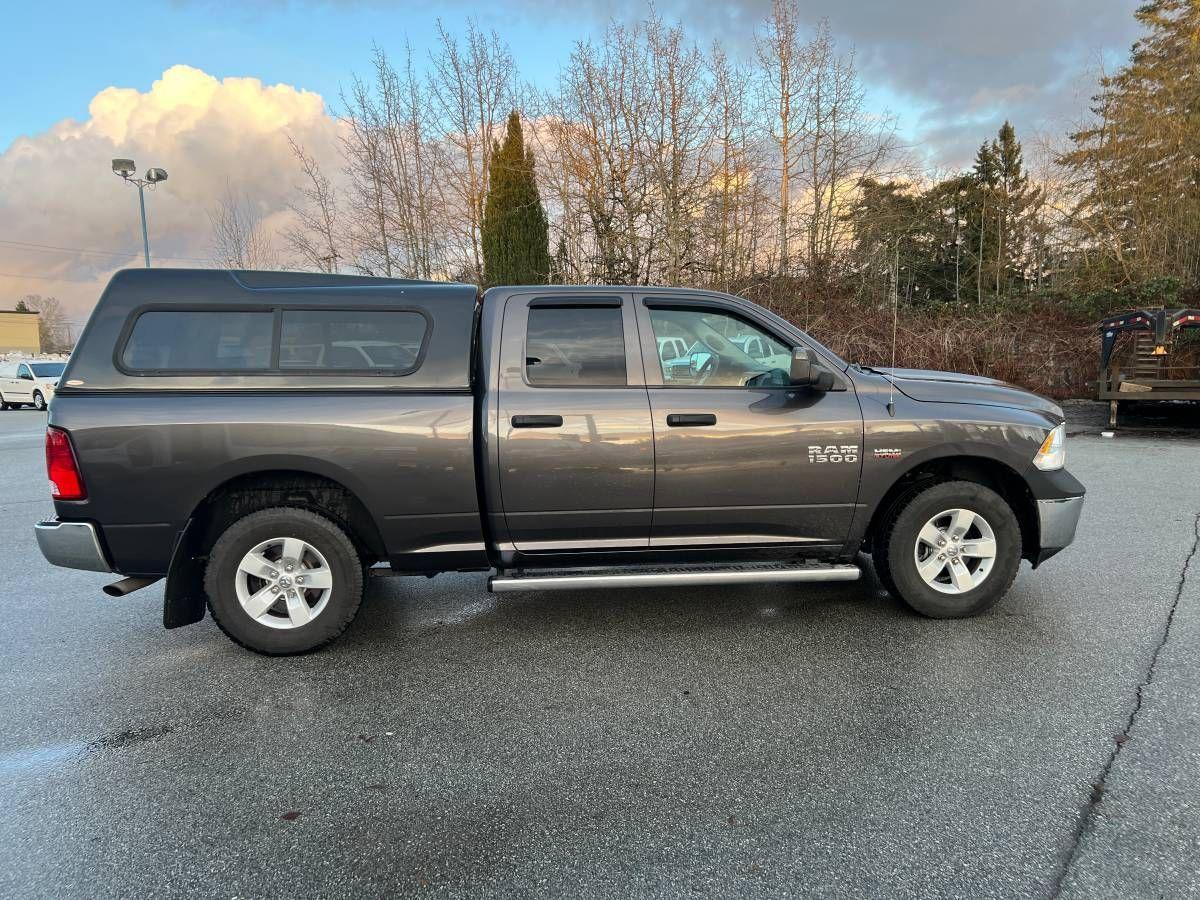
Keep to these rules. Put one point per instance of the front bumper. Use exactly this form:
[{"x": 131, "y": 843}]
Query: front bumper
[
  {"x": 72, "y": 545},
  {"x": 1057, "y": 520}
]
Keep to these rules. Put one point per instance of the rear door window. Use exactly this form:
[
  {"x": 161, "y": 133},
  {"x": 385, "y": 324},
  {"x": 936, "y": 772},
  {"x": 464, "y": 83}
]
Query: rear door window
[
  {"x": 575, "y": 345},
  {"x": 351, "y": 340},
  {"x": 200, "y": 341}
]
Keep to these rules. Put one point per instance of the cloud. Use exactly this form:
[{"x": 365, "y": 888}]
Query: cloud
[
  {"x": 950, "y": 63},
  {"x": 56, "y": 188}
]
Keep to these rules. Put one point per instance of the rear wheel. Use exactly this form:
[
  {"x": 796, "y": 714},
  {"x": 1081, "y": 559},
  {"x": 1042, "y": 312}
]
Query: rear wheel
[
  {"x": 953, "y": 550},
  {"x": 284, "y": 580},
  {"x": 5, "y": 405}
]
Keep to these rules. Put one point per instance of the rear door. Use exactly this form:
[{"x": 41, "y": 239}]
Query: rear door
[
  {"x": 742, "y": 458},
  {"x": 576, "y": 450}
]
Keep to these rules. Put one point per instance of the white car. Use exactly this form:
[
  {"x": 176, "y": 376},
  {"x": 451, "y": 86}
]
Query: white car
[
  {"x": 29, "y": 382},
  {"x": 349, "y": 355}
]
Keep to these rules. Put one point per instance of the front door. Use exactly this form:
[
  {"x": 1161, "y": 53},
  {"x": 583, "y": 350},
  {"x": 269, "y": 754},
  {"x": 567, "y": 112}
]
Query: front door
[
  {"x": 742, "y": 459},
  {"x": 576, "y": 449},
  {"x": 22, "y": 389}
]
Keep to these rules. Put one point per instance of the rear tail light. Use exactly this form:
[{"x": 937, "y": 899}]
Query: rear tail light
[{"x": 66, "y": 481}]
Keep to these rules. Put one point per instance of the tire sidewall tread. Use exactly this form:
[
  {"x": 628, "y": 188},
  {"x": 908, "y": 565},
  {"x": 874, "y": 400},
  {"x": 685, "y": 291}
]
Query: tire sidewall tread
[
  {"x": 879, "y": 552},
  {"x": 283, "y": 521},
  {"x": 919, "y": 509}
]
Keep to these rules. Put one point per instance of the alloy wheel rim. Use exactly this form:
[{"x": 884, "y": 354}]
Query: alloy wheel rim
[
  {"x": 283, "y": 583},
  {"x": 955, "y": 551}
]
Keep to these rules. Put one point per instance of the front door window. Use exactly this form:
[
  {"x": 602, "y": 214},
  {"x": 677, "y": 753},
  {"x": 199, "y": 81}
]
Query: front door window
[{"x": 710, "y": 348}]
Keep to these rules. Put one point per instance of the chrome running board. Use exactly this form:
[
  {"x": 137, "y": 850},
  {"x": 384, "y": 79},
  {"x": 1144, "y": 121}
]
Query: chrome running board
[{"x": 584, "y": 580}]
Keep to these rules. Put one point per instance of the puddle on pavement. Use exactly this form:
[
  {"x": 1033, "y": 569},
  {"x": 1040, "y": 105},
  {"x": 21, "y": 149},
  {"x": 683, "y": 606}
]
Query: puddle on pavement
[
  {"x": 430, "y": 618},
  {"x": 38, "y": 760},
  {"x": 41, "y": 760}
]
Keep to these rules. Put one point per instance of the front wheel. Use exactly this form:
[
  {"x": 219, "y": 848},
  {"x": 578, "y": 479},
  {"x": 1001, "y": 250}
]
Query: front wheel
[
  {"x": 283, "y": 581},
  {"x": 39, "y": 402},
  {"x": 953, "y": 550}
]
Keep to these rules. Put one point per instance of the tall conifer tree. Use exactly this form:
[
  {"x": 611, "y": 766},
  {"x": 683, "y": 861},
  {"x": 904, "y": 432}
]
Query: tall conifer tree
[
  {"x": 1135, "y": 165},
  {"x": 516, "y": 236}
]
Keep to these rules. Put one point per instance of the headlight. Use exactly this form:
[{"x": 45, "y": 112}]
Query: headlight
[{"x": 1053, "y": 452}]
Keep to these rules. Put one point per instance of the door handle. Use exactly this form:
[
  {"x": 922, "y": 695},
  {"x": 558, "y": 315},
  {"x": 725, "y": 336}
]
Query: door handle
[
  {"x": 537, "y": 421},
  {"x": 690, "y": 420}
]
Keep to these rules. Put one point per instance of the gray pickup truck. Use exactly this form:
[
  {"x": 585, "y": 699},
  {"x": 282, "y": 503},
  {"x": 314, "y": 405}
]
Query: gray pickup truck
[{"x": 265, "y": 440}]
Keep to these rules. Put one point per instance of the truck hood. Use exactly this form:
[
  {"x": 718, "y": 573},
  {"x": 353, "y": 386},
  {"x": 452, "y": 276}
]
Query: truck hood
[{"x": 931, "y": 386}]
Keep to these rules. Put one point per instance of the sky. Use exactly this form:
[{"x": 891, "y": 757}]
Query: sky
[{"x": 208, "y": 90}]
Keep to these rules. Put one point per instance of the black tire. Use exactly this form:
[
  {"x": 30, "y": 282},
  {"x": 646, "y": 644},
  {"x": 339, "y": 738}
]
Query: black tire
[
  {"x": 245, "y": 534},
  {"x": 879, "y": 548},
  {"x": 5, "y": 405},
  {"x": 39, "y": 402},
  {"x": 901, "y": 542}
]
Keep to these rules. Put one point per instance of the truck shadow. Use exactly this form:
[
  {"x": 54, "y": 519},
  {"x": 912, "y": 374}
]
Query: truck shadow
[{"x": 460, "y": 603}]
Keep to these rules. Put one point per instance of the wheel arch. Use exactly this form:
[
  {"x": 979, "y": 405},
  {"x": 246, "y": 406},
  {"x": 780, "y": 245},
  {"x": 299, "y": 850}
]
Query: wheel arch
[
  {"x": 986, "y": 470},
  {"x": 240, "y": 494},
  {"x": 247, "y": 491}
]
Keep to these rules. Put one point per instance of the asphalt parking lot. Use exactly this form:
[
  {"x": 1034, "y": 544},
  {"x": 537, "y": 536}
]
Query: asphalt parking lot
[{"x": 776, "y": 741}]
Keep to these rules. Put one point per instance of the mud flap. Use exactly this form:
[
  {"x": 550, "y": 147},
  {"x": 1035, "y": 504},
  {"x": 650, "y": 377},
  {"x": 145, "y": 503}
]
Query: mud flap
[{"x": 183, "y": 597}]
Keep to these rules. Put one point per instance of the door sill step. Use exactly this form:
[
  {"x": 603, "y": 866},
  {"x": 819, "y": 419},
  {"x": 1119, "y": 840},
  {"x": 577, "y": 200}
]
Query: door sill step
[{"x": 583, "y": 579}]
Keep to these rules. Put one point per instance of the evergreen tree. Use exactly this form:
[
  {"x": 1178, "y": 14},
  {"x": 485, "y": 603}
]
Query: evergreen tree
[
  {"x": 911, "y": 238},
  {"x": 516, "y": 237},
  {"x": 1135, "y": 166},
  {"x": 22, "y": 306},
  {"x": 998, "y": 214},
  {"x": 979, "y": 240},
  {"x": 987, "y": 166},
  {"x": 1016, "y": 200}
]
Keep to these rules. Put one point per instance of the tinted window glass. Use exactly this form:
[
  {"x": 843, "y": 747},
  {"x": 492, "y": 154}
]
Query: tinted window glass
[
  {"x": 200, "y": 340},
  {"x": 575, "y": 345},
  {"x": 386, "y": 340},
  {"x": 48, "y": 370},
  {"x": 712, "y": 349}
]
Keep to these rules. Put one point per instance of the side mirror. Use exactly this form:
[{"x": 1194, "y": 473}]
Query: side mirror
[{"x": 801, "y": 374}]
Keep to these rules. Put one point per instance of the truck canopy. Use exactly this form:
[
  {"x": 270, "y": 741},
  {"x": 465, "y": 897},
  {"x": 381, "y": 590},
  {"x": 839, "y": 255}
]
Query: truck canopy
[{"x": 413, "y": 335}]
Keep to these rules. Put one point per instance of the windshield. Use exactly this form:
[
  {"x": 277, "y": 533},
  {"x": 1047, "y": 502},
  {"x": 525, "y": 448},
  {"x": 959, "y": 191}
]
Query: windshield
[{"x": 47, "y": 370}]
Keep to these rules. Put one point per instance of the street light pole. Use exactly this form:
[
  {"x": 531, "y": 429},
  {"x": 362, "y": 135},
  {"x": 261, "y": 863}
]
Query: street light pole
[
  {"x": 145, "y": 234},
  {"x": 127, "y": 171}
]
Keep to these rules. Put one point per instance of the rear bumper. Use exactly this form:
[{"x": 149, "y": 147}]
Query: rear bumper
[
  {"x": 72, "y": 545},
  {"x": 1057, "y": 521}
]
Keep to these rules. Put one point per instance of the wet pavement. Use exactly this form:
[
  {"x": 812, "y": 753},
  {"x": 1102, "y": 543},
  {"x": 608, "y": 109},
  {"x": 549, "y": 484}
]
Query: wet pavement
[{"x": 769, "y": 740}]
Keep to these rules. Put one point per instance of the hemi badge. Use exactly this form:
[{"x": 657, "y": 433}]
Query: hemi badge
[{"x": 890, "y": 453}]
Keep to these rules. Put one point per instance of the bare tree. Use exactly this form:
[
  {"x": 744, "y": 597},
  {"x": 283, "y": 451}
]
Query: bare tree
[
  {"x": 239, "y": 237},
  {"x": 390, "y": 163},
  {"x": 471, "y": 91},
  {"x": 736, "y": 201},
  {"x": 680, "y": 132},
  {"x": 315, "y": 237},
  {"x": 600, "y": 131},
  {"x": 783, "y": 70},
  {"x": 365, "y": 155},
  {"x": 843, "y": 144},
  {"x": 52, "y": 323}
]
